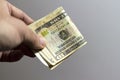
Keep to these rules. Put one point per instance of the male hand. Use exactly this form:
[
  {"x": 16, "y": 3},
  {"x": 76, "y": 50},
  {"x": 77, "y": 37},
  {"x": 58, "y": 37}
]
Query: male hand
[{"x": 16, "y": 39}]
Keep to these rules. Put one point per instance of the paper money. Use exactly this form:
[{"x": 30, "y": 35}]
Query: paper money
[{"x": 62, "y": 36}]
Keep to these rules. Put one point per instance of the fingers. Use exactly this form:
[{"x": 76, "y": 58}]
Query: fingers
[
  {"x": 11, "y": 56},
  {"x": 25, "y": 50},
  {"x": 15, "y": 12},
  {"x": 30, "y": 39},
  {"x": 16, "y": 54}
]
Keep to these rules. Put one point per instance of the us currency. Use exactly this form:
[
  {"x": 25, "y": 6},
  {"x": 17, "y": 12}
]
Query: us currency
[{"x": 62, "y": 37}]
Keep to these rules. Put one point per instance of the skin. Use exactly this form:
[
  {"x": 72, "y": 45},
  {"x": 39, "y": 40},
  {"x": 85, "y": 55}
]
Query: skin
[{"x": 16, "y": 38}]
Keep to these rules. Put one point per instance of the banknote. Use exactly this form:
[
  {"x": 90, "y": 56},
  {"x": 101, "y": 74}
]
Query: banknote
[{"x": 62, "y": 37}]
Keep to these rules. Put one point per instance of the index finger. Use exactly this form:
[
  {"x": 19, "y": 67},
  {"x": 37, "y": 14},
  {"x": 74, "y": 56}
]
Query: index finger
[{"x": 15, "y": 12}]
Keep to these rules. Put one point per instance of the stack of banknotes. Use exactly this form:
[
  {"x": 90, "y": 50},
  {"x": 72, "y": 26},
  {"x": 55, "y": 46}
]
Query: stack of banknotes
[{"x": 62, "y": 37}]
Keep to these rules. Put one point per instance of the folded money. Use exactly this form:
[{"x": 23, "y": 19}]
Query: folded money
[{"x": 62, "y": 36}]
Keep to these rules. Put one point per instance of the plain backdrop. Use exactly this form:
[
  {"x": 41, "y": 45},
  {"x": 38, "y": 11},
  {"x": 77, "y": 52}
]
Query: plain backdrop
[{"x": 98, "y": 21}]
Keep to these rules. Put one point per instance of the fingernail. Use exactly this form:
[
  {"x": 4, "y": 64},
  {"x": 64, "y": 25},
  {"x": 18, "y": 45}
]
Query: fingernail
[{"x": 42, "y": 42}]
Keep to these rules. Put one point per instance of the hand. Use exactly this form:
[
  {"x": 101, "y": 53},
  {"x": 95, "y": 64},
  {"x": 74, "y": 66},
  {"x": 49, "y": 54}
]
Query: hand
[{"x": 16, "y": 39}]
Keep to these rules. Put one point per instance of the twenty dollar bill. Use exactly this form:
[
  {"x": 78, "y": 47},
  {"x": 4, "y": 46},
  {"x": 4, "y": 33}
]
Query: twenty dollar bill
[{"x": 62, "y": 36}]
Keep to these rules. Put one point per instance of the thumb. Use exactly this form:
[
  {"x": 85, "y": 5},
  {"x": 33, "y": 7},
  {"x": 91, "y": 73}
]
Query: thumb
[{"x": 33, "y": 41}]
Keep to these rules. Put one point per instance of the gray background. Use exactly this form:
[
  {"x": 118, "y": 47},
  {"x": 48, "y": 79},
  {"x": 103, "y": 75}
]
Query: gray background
[{"x": 98, "y": 21}]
